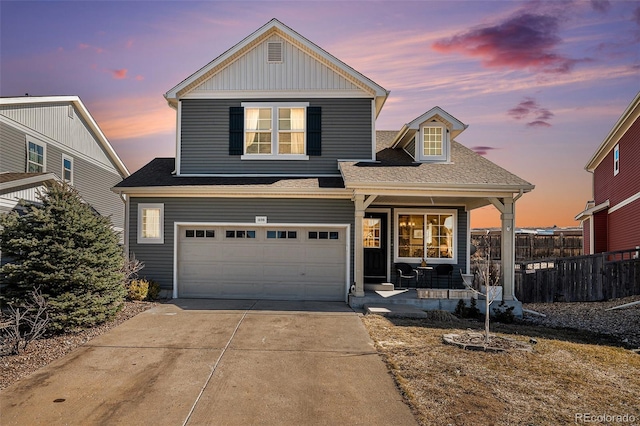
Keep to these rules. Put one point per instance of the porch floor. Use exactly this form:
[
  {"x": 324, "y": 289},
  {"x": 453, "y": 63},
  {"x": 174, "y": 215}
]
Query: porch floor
[{"x": 409, "y": 297}]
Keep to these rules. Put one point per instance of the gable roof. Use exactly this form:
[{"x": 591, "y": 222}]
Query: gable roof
[
  {"x": 409, "y": 130},
  {"x": 395, "y": 169},
  {"x": 274, "y": 26},
  {"x": 84, "y": 112},
  {"x": 626, "y": 120}
]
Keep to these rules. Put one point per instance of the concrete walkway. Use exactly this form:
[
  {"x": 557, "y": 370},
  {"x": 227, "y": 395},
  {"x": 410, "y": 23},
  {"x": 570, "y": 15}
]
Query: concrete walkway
[{"x": 213, "y": 362}]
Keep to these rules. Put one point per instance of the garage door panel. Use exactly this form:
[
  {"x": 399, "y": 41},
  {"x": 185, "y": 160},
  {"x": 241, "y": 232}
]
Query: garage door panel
[{"x": 288, "y": 267}]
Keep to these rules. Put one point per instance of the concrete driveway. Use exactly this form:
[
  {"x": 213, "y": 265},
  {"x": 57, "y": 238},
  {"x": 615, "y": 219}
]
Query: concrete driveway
[{"x": 214, "y": 362}]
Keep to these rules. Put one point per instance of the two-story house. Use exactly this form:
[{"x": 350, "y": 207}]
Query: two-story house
[
  {"x": 282, "y": 188},
  {"x": 55, "y": 138},
  {"x": 611, "y": 220}
]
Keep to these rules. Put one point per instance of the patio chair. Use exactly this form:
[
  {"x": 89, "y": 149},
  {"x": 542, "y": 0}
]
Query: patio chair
[
  {"x": 406, "y": 271},
  {"x": 444, "y": 270}
]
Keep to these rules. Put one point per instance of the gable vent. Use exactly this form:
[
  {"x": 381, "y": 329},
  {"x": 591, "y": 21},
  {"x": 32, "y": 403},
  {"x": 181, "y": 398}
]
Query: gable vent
[{"x": 274, "y": 52}]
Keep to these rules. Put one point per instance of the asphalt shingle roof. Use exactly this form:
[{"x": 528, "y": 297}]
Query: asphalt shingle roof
[
  {"x": 159, "y": 172},
  {"x": 395, "y": 166}
]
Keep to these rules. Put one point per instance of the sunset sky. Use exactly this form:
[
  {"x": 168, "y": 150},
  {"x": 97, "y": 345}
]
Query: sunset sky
[{"x": 540, "y": 84}]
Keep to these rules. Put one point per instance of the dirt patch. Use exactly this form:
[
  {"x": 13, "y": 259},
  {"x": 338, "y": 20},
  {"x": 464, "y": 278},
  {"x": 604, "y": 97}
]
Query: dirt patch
[
  {"x": 570, "y": 372},
  {"x": 44, "y": 351}
]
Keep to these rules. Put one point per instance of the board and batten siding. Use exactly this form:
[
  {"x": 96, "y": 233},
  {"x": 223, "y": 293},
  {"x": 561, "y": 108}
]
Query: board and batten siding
[
  {"x": 53, "y": 121},
  {"x": 298, "y": 70},
  {"x": 158, "y": 258},
  {"x": 346, "y": 134}
]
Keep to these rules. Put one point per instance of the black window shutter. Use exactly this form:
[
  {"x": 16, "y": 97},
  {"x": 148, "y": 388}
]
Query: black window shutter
[
  {"x": 314, "y": 126},
  {"x": 236, "y": 130}
]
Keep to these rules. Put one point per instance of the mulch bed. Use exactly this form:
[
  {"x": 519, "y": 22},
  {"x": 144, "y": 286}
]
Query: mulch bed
[{"x": 41, "y": 352}]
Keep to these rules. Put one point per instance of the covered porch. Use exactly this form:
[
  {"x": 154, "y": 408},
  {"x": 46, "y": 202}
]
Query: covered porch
[{"x": 425, "y": 229}]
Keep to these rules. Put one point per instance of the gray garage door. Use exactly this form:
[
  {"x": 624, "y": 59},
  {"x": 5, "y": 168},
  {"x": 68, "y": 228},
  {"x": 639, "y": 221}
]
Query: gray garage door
[{"x": 247, "y": 262}]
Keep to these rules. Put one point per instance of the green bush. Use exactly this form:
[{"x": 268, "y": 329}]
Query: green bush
[
  {"x": 138, "y": 290},
  {"x": 68, "y": 251}
]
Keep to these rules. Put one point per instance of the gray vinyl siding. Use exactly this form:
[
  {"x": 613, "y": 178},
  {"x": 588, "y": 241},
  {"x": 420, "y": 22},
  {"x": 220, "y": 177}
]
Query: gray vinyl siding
[
  {"x": 13, "y": 149},
  {"x": 346, "y": 134},
  {"x": 158, "y": 258},
  {"x": 93, "y": 182}
]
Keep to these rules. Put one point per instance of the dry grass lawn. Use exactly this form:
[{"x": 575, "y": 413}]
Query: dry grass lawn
[{"x": 569, "y": 372}]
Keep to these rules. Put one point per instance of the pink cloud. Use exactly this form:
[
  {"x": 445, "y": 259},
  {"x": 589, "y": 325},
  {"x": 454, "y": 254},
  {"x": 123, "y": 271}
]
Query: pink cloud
[
  {"x": 85, "y": 46},
  {"x": 129, "y": 44},
  {"x": 530, "y": 107},
  {"x": 524, "y": 41},
  {"x": 482, "y": 150},
  {"x": 139, "y": 78},
  {"x": 538, "y": 123},
  {"x": 120, "y": 74}
]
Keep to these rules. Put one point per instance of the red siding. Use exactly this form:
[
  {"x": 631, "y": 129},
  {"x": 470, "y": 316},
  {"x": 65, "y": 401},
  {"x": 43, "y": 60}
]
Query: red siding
[
  {"x": 627, "y": 182},
  {"x": 586, "y": 236},
  {"x": 624, "y": 227},
  {"x": 619, "y": 230},
  {"x": 600, "y": 239}
]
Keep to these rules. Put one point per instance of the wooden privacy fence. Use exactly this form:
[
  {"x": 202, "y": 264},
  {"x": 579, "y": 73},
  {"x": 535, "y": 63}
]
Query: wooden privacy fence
[
  {"x": 601, "y": 276},
  {"x": 531, "y": 246}
]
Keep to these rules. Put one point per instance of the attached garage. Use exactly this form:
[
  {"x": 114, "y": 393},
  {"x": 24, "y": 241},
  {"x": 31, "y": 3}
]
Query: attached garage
[{"x": 246, "y": 261}]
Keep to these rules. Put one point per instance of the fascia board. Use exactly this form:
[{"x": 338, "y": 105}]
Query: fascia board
[
  {"x": 208, "y": 191},
  {"x": 458, "y": 125},
  {"x": 102, "y": 139},
  {"x": 393, "y": 187},
  {"x": 591, "y": 211},
  {"x": 29, "y": 181},
  {"x": 626, "y": 120},
  {"x": 124, "y": 172},
  {"x": 242, "y": 94}
]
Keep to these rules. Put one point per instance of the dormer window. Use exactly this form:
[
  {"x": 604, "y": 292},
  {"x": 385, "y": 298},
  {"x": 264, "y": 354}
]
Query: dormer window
[{"x": 434, "y": 142}]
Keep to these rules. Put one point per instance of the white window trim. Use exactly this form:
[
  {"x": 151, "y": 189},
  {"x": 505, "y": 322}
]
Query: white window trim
[
  {"x": 274, "y": 131},
  {"x": 29, "y": 139},
  {"x": 431, "y": 260},
  {"x": 70, "y": 159},
  {"x": 143, "y": 240},
  {"x": 616, "y": 162},
  {"x": 420, "y": 143}
]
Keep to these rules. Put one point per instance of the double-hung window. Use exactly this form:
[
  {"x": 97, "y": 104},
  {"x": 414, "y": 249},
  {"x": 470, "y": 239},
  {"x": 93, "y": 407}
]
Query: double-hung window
[
  {"x": 150, "y": 223},
  {"x": 36, "y": 153},
  {"x": 275, "y": 130},
  {"x": 616, "y": 160}
]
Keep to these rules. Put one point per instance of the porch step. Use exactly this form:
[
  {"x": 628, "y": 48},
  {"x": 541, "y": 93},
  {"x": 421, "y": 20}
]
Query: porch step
[{"x": 396, "y": 310}]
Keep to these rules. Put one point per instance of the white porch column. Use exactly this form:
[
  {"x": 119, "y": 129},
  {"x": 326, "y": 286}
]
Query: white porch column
[
  {"x": 506, "y": 206},
  {"x": 508, "y": 258},
  {"x": 358, "y": 273}
]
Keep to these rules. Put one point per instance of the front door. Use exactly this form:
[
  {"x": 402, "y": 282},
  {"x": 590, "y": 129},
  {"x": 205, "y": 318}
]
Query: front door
[{"x": 374, "y": 242}]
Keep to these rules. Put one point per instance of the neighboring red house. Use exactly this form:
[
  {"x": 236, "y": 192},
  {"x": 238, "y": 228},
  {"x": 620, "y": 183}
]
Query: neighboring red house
[{"x": 611, "y": 221}]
